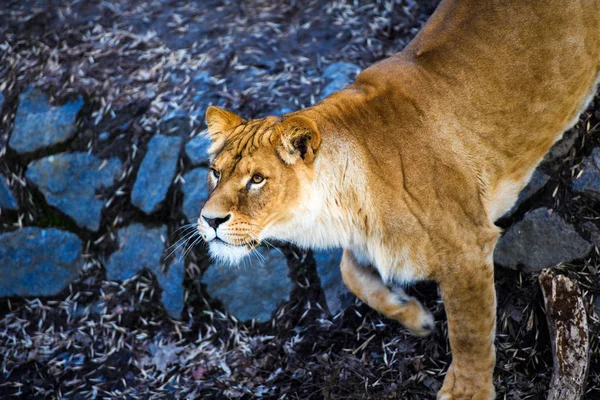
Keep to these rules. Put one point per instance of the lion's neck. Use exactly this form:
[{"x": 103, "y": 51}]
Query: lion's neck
[{"x": 335, "y": 209}]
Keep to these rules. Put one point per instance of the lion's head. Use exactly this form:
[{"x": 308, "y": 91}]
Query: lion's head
[{"x": 258, "y": 170}]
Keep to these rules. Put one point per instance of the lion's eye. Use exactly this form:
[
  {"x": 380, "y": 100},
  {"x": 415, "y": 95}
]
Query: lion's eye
[
  {"x": 257, "y": 178},
  {"x": 216, "y": 174}
]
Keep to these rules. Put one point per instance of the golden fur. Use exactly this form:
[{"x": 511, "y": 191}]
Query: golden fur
[{"x": 408, "y": 168}]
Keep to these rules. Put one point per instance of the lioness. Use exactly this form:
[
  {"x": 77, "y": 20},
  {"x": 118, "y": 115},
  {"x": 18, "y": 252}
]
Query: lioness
[{"x": 408, "y": 168}]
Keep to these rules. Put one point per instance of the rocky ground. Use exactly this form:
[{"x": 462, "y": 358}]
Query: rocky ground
[{"x": 105, "y": 290}]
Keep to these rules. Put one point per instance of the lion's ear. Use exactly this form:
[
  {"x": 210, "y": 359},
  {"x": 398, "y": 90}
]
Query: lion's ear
[
  {"x": 220, "y": 121},
  {"x": 297, "y": 137}
]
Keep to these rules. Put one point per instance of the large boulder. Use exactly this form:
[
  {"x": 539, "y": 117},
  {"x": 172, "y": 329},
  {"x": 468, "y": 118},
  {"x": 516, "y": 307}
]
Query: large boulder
[
  {"x": 7, "y": 199},
  {"x": 197, "y": 150},
  {"x": 38, "y": 262},
  {"x": 541, "y": 240},
  {"x": 338, "y": 297},
  {"x": 39, "y": 125},
  {"x": 195, "y": 192},
  {"x": 156, "y": 172},
  {"x": 255, "y": 289},
  {"x": 141, "y": 248},
  {"x": 588, "y": 183},
  {"x": 70, "y": 182},
  {"x": 171, "y": 282}
]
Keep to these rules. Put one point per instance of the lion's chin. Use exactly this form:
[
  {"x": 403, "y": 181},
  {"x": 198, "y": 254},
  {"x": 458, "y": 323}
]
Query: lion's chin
[{"x": 227, "y": 253}]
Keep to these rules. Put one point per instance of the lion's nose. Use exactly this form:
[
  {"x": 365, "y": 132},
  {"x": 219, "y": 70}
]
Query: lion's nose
[{"x": 215, "y": 222}]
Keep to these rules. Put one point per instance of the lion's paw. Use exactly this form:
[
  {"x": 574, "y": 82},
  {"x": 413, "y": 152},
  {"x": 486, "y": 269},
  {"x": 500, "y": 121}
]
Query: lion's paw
[{"x": 459, "y": 386}]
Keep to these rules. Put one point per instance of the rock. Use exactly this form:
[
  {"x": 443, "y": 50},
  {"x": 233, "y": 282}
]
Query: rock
[
  {"x": 171, "y": 283},
  {"x": 588, "y": 183},
  {"x": 39, "y": 125},
  {"x": 337, "y": 76},
  {"x": 202, "y": 78},
  {"x": 195, "y": 192},
  {"x": 177, "y": 122},
  {"x": 141, "y": 248},
  {"x": 156, "y": 173},
  {"x": 251, "y": 291},
  {"x": 328, "y": 267},
  {"x": 7, "y": 199},
  {"x": 69, "y": 182},
  {"x": 593, "y": 231},
  {"x": 1, "y": 100},
  {"x": 197, "y": 150},
  {"x": 38, "y": 262},
  {"x": 539, "y": 241},
  {"x": 281, "y": 111},
  {"x": 538, "y": 180},
  {"x": 562, "y": 147}
]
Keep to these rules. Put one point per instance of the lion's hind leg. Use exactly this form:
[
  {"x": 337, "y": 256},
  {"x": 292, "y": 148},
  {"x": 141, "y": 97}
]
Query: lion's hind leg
[{"x": 394, "y": 303}]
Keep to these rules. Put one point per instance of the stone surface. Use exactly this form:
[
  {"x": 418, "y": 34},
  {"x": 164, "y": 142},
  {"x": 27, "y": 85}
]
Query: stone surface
[
  {"x": 38, "y": 262},
  {"x": 156, "y": 173},
  {"x": 539, "y": 241},
  {"x": 197, "y": 150},
  {"x": 141, "y": 248},
  {"x": 562, "y": 147},
  {"x": 176, "y": 122},
  {"x": 7, "y": 199},
  {"x": 538, "y": 181},
  {"x": 251, "y": 291},
  {"x": 1, "y": 100},
  {"x": 593, "y": 231},
  {"x": 337, "y": 76},
  {"x": 171, "y": 283},
  {"x": 39, "y": 125},
  {"x": 195, "y": 192},
  {"x": 588, "y": 183},
  {"x": 328, "y": 267},
  {"x": 69, "y": 182}
]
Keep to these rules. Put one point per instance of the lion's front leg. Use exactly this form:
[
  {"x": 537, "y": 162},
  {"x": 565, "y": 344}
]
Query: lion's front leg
[{"x": 470, "y": 301}]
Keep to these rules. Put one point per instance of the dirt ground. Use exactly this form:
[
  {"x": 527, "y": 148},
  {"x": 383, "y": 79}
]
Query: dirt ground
[{"x": 134, "y": 63}]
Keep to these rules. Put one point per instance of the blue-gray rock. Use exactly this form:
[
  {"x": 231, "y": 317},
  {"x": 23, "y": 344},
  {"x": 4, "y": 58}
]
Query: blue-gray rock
[
  {"x": 141, "y": 248},
  {"x": 7, "y": 199},
  {"x": 39, "y": 125},
  {"x": 38, "y": 262},
  {"x": 69, "y": 182},
  {"x": 588, "y": 183},
  {"x": 251, "y": 291},
  {"x": 195, "y": 192},
  {"x": 197, "y": 150},
  {"x": 171, "y": 283},
  {"x": 202, "y": 78},
  {"x": 1, "y": 100},
  {"x": 176, "y": 122},
  {"x": 328, "y": 267},
  {"x": 593, "y": 231},
  {"x": 156, "y": 173},
  {"x": 337, "y": 76},
  {"x": 538, "y": 181},
  {"x": 562, "y": 147},
  {"x": 282, "y": 111},
  {"x": 541, "y": 240}
]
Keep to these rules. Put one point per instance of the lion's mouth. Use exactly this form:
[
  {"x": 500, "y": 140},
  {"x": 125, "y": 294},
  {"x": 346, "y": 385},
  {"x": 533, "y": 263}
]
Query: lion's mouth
[{"x": 249, "y": 245}]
